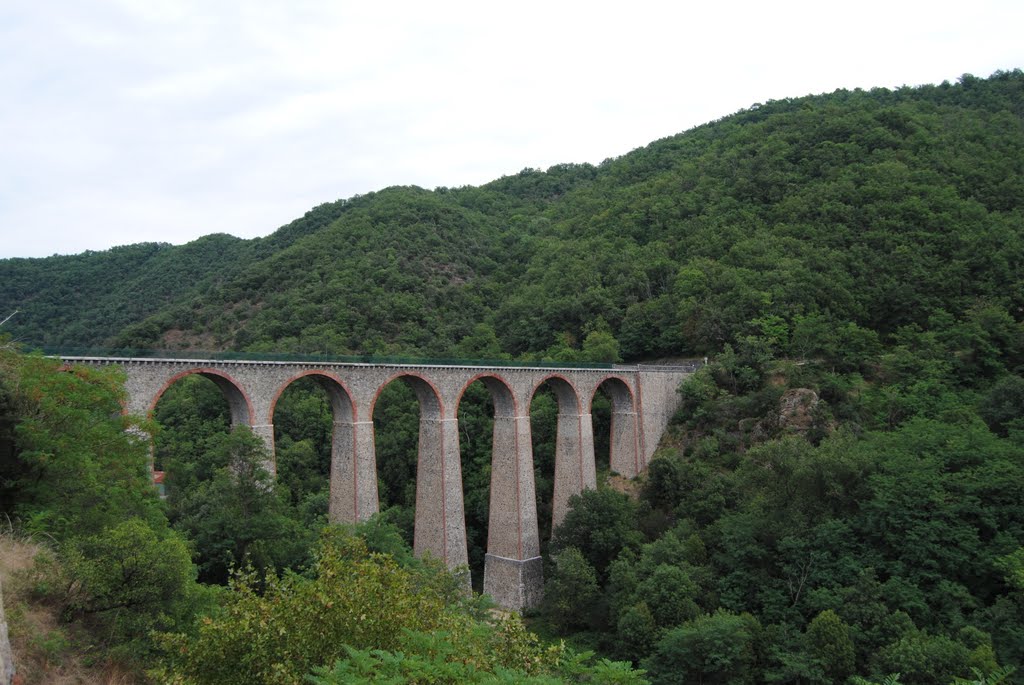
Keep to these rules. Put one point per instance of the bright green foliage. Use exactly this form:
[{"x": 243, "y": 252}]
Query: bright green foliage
[
  {"x": 481, "y": 343},
  {"x": 73, "y": 469},
  {"x": 397, "y": 668},
  {"x": 361, "y": 615},
  {"x": 129, "y": 580},
  {"x": 383, "y": 537},
  {"x": 440, "y": 666},
  {"x": 353, "y": 599},
  {"x": 996, "y": 677},
  {"x": 73, "y": 473},
  {"x": 891, "y": 679},
  {"x": 433, "y": 660},
  {"x": 600, "y": 346}
]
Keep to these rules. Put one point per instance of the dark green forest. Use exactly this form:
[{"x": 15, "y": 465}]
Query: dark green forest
[{"x": 839, "y": 499}]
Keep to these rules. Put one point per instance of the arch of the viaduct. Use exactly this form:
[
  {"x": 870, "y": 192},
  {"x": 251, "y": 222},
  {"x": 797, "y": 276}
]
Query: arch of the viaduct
[
  {"x": 440, "y": 528},
  {"x": 626, "y": 439},
  {"x": 239, "y": 404},
  {"x": 338, "y": 395},
  {"x": 642, "y": 399}
]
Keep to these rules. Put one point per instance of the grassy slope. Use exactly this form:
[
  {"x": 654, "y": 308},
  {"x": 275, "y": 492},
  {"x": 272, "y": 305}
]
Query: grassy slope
[{"x": 43, "y": 654}]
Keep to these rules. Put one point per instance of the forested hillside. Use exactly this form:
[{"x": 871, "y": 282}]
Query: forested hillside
[
  {"x": 840, "y": 498},
  {"x": 872, "y": 210}
]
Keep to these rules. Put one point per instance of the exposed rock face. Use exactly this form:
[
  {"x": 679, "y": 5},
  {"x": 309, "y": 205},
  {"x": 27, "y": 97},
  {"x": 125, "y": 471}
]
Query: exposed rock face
[
  {"x": 799, "y": 412},
  {"x": 796, "y": 410},
  {"x": 754, "y": 430}
]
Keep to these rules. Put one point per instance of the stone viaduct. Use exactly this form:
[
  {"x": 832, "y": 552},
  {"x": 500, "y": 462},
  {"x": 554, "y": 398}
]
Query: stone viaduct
[{"x": 643, "y": 400}]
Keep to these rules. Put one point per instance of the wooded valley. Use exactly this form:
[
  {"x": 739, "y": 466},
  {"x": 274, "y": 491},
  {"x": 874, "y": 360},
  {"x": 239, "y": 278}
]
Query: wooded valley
[{"x": 840, "y": 498}]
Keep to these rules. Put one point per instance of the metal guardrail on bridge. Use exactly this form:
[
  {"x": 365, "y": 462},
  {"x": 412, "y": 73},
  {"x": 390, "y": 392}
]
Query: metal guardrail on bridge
[
  {"x": 131, "y": 353},
  {"x": 135, "y": 353}
]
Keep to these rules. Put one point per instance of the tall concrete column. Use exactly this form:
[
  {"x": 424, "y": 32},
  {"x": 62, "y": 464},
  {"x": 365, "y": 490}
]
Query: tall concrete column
[
  {"x": 513, "y": 570},
  {"x": 440, "y": 518},
  {"x": 575, "y": 470},
  {"x": 353, "y": 472},
  {"x": 625, "y": 456},
  {"x": 265, "y": 432}
]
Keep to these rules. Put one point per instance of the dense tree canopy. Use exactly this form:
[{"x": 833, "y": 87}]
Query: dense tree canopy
[
  {"x": 841, "y": 217},
  {"x": 839, "y": 497}
]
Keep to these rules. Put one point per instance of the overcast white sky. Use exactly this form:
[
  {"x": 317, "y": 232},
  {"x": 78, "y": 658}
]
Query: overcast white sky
[{"x": 126, "y": 121}]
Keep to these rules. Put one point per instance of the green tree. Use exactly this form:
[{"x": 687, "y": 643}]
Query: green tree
[
  {"x": 303, "y": 431},
  {"x": 717, "y": 648},
  {"x": 481, "y": 343},
  {"x": 571, "y": 591},
  {"x": 924, "y": 659},
  {"x": 600, "y": 346},
  {"x": 669, "y": 592},
  {"x": 600, "y": 524},
  {"x": 829, "y": 643},
  {"x": 1001, "y": 406},
  {"x": 75, "y": 469},
  {"x": 353, "y": 599},
  {"x": 127, "y": 581},
  {"x": 238, "y": 518},
  {"x": 636, "y": 632},
  {"x": 1013, "y": 566}
]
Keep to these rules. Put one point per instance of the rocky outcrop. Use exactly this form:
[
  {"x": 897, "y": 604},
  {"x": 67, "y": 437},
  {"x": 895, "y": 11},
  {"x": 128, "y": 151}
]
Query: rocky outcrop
[
  {"x": 796, "y": 410},
  {"x": 799, "y": 412}
]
